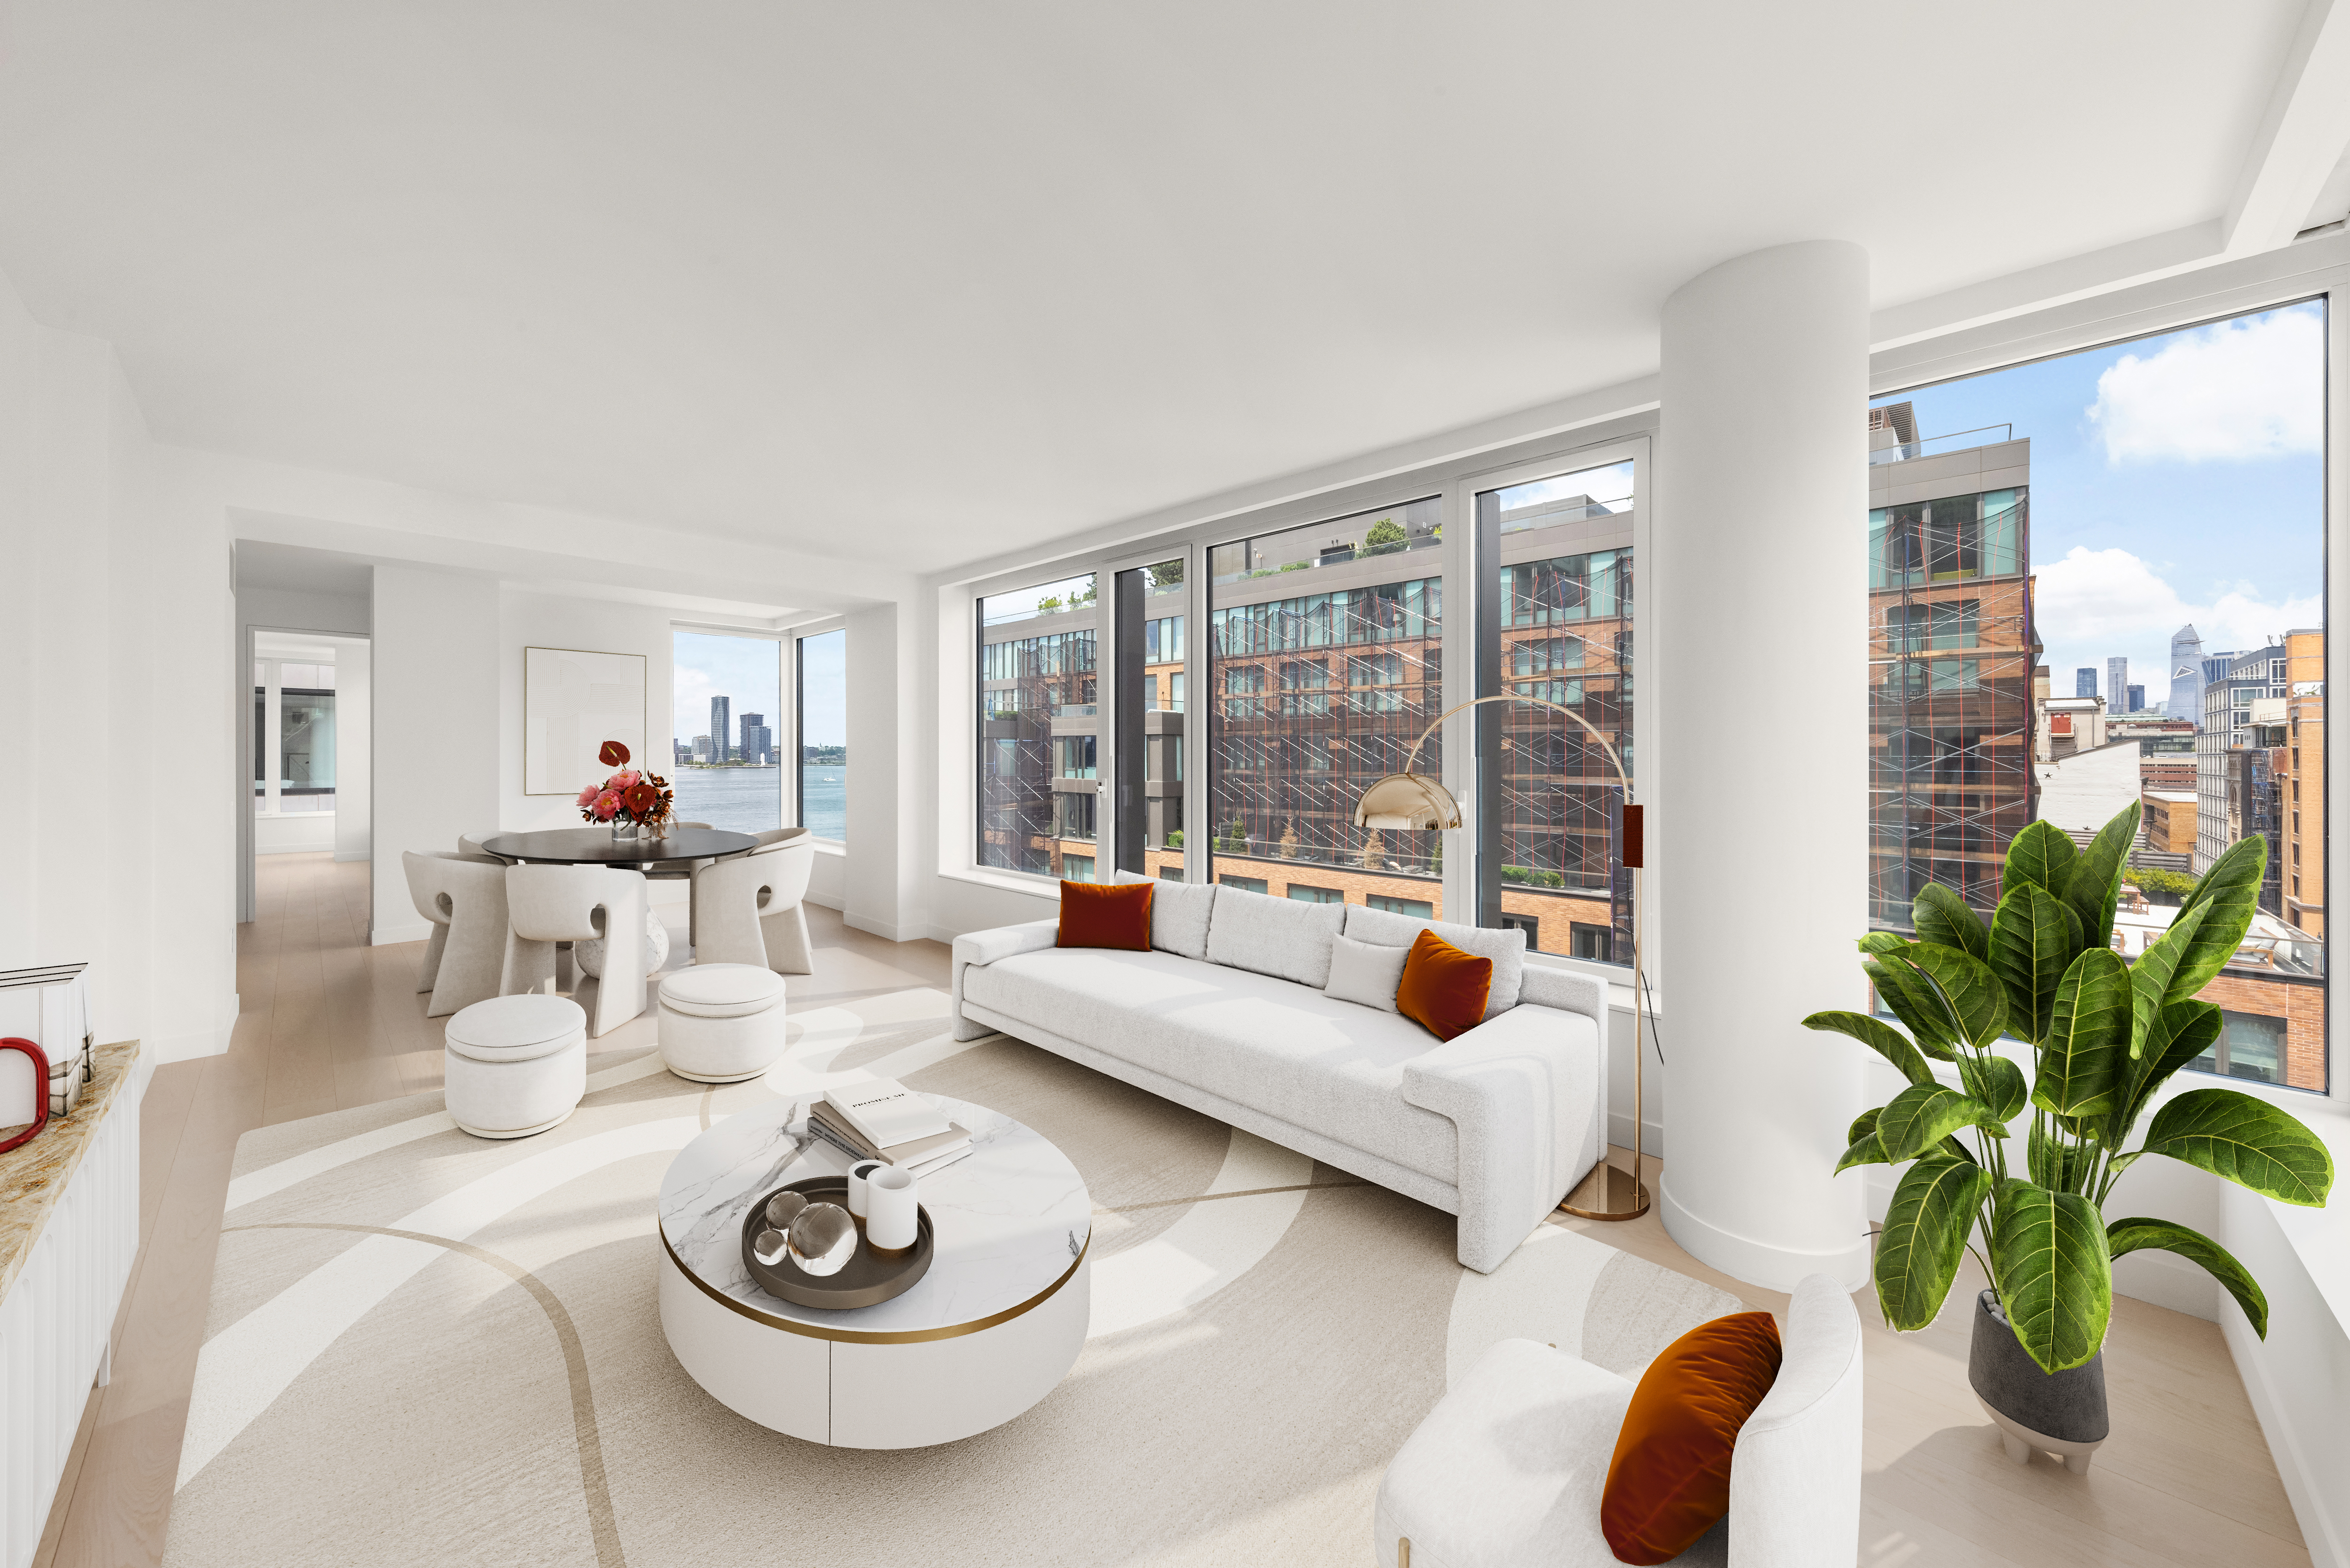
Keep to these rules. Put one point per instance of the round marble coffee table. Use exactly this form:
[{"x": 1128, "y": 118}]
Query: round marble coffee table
[{"x": 994, "y": 1324}]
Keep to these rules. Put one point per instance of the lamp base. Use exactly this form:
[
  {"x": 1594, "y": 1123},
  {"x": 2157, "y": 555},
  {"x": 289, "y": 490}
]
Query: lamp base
[{"x": 1609, "y": 1192}]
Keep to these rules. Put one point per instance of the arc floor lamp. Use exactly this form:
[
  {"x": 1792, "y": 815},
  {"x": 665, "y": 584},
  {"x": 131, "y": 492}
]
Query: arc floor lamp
[{"x": 1415, "y": 802}]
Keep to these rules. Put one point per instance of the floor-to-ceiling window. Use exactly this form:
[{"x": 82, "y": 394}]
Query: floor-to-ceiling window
[
  {"x": 822, "y": 719},
  {"x": 1327, "y": 660},
  {"x": 2096, "y": 578},
  {"x": 1555, "y": 630},
  {"x": 727, "y": 707},
  {"x": 1037, "y": 779}
]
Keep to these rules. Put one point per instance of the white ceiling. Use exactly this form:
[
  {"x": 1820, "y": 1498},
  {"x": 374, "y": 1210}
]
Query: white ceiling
[{"x": 917, "y": 283}]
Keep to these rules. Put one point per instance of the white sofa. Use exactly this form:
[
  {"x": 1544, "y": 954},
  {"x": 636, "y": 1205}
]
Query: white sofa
[
  {"x": 1226, "y": 1014},
  {"x": 1508, "y": 1470}
]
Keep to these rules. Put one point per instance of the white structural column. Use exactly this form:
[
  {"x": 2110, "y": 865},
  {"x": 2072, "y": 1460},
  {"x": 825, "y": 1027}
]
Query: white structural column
[{"x": 1761, "y": 601}]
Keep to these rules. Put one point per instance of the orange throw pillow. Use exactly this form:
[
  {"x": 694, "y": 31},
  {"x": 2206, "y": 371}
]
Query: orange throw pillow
[
  {"x": 1443, "y": 989},
  {"x": 1670, "y": 1481},
  {"x": 1117, "y": 914}
]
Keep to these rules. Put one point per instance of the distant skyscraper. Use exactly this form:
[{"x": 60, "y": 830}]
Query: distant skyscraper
[
  {"x": 721, "y": 725},
  {"x": 755, "y": 737},
  {"x": 2084, "y": 681},
  {"x": 2186, "y": 699},
  {"x": 2117, "y": 685},
  {"x": 2137, "y": 699}
]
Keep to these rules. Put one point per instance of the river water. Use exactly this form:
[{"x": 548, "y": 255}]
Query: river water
[{"x": 749, "y": 800}]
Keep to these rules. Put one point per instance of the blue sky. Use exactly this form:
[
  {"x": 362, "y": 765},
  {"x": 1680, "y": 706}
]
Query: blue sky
[
  {"x": 747, "y": 668},
  {"x": 823, "y": 682},
  {"x": 2176, "y": 478}
]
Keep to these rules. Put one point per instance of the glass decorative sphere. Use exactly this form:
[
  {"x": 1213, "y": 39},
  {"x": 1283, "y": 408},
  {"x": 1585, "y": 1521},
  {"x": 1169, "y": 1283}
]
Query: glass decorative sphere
[{"x": 823, "y": 1239}]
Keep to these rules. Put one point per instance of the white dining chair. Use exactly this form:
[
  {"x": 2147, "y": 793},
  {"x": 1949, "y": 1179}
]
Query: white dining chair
[
  {"x": 750, "y": 908},
  {"x": 675, "y": 870},
  {"x": 466, "y": 902},
  {"x": 469, "y": 847},
  {"x": 551, "y": 903}
]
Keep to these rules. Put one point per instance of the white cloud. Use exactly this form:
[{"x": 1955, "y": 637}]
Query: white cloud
[
  {"x": 2233, "y": 390},
  {"x": 2094, "y": 604}
]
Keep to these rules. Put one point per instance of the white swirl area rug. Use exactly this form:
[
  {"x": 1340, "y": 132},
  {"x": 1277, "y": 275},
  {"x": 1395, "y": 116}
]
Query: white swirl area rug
[{"x": 425, "y": 1347}]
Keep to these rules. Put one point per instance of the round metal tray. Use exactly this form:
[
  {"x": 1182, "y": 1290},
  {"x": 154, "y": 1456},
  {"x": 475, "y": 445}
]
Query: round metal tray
[{"x": 867, "y": 1279}]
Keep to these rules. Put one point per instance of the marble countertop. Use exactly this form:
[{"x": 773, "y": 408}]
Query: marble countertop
[
  {"x": 1011, "y": 1220},
  {"x": 33, "y": 1176}
]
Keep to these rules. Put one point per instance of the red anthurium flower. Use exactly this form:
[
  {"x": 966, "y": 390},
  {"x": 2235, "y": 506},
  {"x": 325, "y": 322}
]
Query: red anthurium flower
[
  {"x": 613, "y": 755},
  {"x": 643, "y": 798}
]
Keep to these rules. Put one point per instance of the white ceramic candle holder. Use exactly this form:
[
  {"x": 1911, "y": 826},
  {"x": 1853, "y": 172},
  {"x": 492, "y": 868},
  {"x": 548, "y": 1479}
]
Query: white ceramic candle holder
[
  {"x": 858, "y": 1175},
  {"x": 891, "y": 1219}
]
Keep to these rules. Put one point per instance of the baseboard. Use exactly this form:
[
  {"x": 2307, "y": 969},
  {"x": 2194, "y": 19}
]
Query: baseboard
[
  {"x": 2310, "y": 1503},
  {"x": 189, "y": 1047},
  {"x": 814, "y": 898},
  {"x": 389, "y": 936},
  {"x": 2166, "y": 1279},
  {"x": 883, "y": 928},
  {"x": 1773, "y": 1267},
  {"x": 1619, "y": 1133}
]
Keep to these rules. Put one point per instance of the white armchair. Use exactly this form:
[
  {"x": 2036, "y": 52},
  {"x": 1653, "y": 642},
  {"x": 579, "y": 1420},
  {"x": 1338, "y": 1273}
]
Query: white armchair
[
  {"x": 1507, "y": 1471},
  {"x": 750, "y": 908},
  {"x": 551, "y": 903},
  {"x": 466, "y": 902}
]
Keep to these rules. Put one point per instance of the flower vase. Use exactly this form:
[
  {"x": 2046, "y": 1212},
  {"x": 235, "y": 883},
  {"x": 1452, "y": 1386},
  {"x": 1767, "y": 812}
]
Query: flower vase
[{"x": 623, "y": 832}]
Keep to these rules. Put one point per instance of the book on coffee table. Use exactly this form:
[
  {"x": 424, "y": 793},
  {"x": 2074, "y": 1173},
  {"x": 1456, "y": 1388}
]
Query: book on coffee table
[
  {"x": 916, "y": 1155},
  {"x": 884, "y": 1112}
]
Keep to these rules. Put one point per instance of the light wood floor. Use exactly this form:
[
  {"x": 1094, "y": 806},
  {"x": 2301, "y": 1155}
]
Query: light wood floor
[{"x": 329, "y": 1023}]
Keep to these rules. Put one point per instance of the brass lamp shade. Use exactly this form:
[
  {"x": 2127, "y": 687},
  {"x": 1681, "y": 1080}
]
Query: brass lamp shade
[{"x": 1408, "y": 800}]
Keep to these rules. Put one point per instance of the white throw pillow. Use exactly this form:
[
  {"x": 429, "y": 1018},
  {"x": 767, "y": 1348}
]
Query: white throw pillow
[
  {"x": 1366, "y": 973},
  {"x": 1506, "y": 947},
  {"x": 1286, "y": 938},
  {"x": 1178, "y": 914}
]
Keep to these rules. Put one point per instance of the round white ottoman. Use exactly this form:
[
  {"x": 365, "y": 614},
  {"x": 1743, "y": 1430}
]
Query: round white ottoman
[
  {"x": 515, "y": 1064},
  {"x": 721, "y": 1022}
]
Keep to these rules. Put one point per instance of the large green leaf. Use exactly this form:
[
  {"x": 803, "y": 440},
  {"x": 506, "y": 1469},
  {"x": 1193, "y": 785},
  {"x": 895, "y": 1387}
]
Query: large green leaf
[
  {"x": 2055, "y": 1280},
  {"x": 2231, "y": 890},
  {"x": 1996, "y": 1082},
  {"x": 2042, "y": 855},
  {"x": 1925, "y": 1235},
  {"x": 1946, "y": 921},
  {"x": 1866, "y": 1148},
  {"x": 2131, "y": 1235},
  {"x": 1922, "y": 1115},
  {"x": 2087, "y": 1046},
  {"x": 1878, "y": 1036},
  {"x": 1883, "y": 943},
  {"x": 1905, "y": 993},
  {"x": 1973, "y": 993},
  {"x": 2249, "y": 1142},
  {"x": 2096, "y": 880},
  {"x": 2150, "y": 976},
  {"x": 2181, "y": 1032},
  {"x": 2054, "y": 1164},
  {"x": 2033, "y": 936}
]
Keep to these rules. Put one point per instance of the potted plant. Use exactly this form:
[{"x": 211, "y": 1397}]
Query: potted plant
[{"x": 2105, "y": 1036}]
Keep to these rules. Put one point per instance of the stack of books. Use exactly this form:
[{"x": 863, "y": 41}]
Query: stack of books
[{"x": 885, "y": 1120}]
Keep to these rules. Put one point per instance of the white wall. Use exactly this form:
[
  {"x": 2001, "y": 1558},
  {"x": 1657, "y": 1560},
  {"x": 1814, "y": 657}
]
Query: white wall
[
  {"x": 354, "y": 751},
  {"x": 116, "y": 631},
  {"x": 597, "y": 626},
  {"x": 437, "y": 741}
]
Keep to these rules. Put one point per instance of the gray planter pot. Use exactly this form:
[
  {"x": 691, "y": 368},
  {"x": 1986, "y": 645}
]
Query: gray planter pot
[{"x": 2061, "y": 1413}]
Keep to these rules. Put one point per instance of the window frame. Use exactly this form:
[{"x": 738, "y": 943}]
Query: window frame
[
  {"x": 2198, "y": 299},
  {"x": 1455, "y": 482}
]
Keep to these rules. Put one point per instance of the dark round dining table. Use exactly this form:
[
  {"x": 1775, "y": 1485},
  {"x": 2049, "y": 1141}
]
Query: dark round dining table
[{"x": 596, "y": 847}]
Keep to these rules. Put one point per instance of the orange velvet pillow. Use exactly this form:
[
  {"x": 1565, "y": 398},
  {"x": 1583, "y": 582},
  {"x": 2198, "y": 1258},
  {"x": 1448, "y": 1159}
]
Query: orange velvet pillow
[
  {"x": 1117, "y": 914},
  {"x": 1443, "y": 989},
  {"x": 1670, "y": 1481}
]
